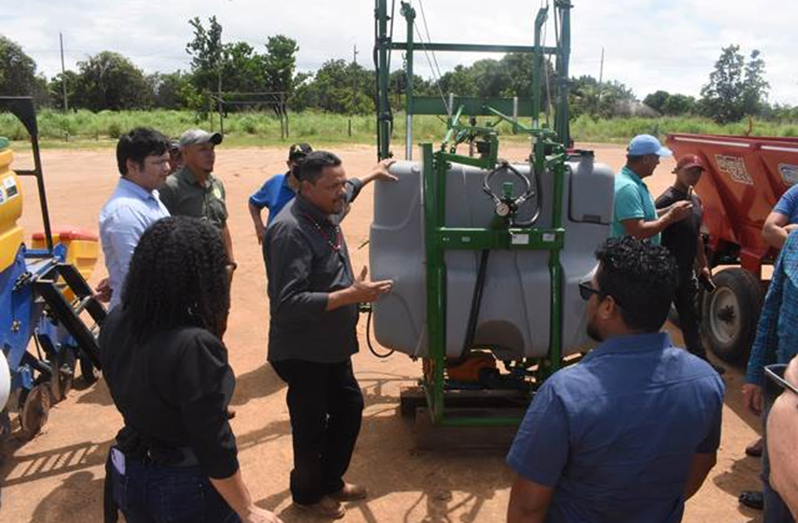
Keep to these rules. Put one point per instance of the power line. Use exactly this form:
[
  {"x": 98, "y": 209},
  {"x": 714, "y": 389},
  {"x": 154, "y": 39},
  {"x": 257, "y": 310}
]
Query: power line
[{"x": 63, "y": 72}]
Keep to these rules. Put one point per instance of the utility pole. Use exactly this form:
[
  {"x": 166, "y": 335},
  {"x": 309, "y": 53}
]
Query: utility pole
[
  {"x": 355, "y": 52},
  {"x": 63, "y": 73},
  {"x": 219, "y": 85},
  {"x": 601, "y": 79},
  {"x": 354, "y": 67}
]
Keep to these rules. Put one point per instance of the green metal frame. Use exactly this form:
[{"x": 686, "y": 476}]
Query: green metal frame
[
  {"x": 384, "y": 44},
  {"x": 549, "y": 156},
  {"x": 439, "y": 239}
]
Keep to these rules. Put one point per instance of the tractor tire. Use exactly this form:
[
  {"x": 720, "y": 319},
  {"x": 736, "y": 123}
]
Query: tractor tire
[
  {"x": 731, "y": 313},
  {"x": 35, "y": 410}
]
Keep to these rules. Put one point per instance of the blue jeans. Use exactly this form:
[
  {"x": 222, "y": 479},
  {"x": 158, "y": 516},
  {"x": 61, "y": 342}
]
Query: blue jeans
[{"x": 149, "y": 493}]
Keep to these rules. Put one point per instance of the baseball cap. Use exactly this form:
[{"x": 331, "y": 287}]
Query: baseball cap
[
  {"x": 298, "y": 151},
  {"x": 689, "y": 161},
  {"x": 647, "y": 144},
  {"x": 198, "y": 136}
]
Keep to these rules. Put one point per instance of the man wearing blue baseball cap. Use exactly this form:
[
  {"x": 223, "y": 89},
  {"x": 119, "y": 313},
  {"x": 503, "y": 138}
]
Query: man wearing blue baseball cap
[{"x": 634, "y": 212}]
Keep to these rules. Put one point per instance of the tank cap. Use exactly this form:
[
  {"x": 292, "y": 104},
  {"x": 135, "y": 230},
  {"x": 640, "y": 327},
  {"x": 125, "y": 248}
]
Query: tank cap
[{"x": 4, "y": 143}]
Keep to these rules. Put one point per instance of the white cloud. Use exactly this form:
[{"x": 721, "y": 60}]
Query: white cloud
[{"x": 649, "y": 44}]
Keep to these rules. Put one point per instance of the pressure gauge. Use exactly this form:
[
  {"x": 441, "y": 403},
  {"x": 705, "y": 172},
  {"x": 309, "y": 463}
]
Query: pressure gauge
[{"x": 502, "y": 209}]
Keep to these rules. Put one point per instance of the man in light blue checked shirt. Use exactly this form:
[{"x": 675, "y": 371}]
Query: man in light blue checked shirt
[
  {"x": 142, "y": 156},
  {"x": 776, "y": 342}
]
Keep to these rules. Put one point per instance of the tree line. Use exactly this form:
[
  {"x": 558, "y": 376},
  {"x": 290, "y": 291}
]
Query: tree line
[{"x": 737, "y": 86}]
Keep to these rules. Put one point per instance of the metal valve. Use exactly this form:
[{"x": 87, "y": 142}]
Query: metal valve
[{"x": 507, "y": 205}]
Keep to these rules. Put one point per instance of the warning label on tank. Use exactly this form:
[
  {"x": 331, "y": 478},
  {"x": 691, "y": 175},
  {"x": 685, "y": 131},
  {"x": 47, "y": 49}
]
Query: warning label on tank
[
  {"x": 789, "y": 173},
  {"x": 2, "y": 196},
  {"x": 734, "y": 167},
  {"x": 11, "y": 187}
]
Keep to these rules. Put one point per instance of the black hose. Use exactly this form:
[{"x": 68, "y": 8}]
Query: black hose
[
  {"x": 368, "y": 338},
  {"x": 476, "y": 304},
  {"x": 538, "y": 202}
]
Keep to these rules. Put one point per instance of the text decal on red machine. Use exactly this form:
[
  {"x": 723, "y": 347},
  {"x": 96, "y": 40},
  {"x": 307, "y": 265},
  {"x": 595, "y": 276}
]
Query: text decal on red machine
[{"x": 734, "y": 167}]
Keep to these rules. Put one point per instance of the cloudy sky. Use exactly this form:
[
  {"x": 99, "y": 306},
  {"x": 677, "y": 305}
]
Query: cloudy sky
[{"x": 649, "y": 44}]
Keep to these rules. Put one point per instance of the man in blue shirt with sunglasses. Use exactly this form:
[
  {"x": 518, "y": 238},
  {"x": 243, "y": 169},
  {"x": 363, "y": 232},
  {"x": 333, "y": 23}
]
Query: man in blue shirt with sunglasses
[{"x": 631, "y": 431}]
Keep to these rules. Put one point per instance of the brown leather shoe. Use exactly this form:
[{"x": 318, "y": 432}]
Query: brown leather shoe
[
  {"x": 350, "y": 492},
  {"x": 325, "y": 508}
]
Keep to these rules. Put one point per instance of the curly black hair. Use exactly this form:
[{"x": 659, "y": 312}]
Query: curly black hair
[
  {"x": 177, "y": 278},
  {"x": 641, "y": 277},
  {"x": 137, "y": 144}
]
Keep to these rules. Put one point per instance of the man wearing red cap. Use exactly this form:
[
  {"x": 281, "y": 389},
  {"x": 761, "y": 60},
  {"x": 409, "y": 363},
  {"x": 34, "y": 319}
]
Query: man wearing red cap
[{"x": 683, "y": 239}]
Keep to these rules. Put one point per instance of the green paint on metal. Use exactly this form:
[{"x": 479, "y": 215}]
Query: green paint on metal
[
  {"x": 4, "y": 143},
  {"x": 468, "y": 48},
  {"x": 506, "y": 239},
  {"x": 384, "y": 117},
  {"x": 563, "y": 117},
  {"x": 473, "y": 421},
  {"x": 472, "y": 106},
  {"x": 517, "y": 126},
  {"x": 537, "y": 70},
  {"x": 435, "y": 165},
  {"x": 410, "y": 15}
]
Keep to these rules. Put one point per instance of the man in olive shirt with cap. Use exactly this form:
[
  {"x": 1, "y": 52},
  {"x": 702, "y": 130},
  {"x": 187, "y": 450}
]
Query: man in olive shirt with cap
[{"x": 193, "y": 190}]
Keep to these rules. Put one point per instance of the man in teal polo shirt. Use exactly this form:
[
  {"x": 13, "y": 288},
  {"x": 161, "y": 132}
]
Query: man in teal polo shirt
[{"x": 634, "y": 212}]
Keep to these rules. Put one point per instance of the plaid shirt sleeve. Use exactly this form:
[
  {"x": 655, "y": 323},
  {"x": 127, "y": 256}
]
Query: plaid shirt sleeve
[{"x": 777, "y": 302}]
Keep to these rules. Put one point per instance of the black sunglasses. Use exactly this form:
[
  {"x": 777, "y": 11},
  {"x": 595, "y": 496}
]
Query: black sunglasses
[
  {"x": 586, "y": 290},
  {"x": 775, "y": 373}
]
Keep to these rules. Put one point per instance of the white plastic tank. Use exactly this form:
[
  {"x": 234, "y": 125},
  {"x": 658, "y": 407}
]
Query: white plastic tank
[
  {"x": 5, "y": 381},
  {"x": 515, "y": 310}
]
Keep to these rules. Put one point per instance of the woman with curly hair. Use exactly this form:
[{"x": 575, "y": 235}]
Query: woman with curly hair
[{"x": 166, "y": 367}]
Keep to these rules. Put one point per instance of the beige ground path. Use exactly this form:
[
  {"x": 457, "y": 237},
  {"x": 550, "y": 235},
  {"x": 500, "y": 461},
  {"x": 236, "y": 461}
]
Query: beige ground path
[{"x": 57, "y": 477}]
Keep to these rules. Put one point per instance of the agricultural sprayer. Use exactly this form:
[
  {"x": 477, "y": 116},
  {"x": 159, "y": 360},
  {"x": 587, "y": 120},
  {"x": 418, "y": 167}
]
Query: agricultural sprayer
[{"x": 486, "y": 254}]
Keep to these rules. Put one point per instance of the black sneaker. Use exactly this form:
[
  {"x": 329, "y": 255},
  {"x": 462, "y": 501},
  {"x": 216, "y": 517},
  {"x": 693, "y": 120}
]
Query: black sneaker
[{"x": 752, "y": 499}]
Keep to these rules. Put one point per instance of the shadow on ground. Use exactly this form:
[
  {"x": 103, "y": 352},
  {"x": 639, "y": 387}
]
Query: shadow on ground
[
  {"x": 257, "y": 383},
  {"x": 77, "y": 495}
]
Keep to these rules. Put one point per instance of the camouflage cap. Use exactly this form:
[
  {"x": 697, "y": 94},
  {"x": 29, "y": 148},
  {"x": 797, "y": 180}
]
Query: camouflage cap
[{"x": 198, "y": 136}]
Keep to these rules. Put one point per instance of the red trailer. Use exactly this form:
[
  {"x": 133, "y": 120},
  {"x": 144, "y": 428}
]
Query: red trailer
[{"x": 744, "y": 179}]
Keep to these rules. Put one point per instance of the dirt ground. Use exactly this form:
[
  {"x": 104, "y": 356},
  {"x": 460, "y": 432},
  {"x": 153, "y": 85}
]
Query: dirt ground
[{"x": 57, "y": 477}]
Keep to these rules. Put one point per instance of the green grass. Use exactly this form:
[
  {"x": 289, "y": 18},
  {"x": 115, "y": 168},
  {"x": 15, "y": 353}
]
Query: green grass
[
  {"x": 84, "y": 129},
  {"x": 620, "y": 130}
]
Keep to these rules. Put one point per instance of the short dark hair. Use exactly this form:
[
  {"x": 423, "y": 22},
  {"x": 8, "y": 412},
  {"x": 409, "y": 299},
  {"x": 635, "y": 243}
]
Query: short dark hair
[
  {"x": 314, "y": 164},
  {"x": 641, "y": 277},
  {"x": 634, "y": 158},
  {"x": 178, "y": 278},
  {"x": 138, "y": 144}
]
